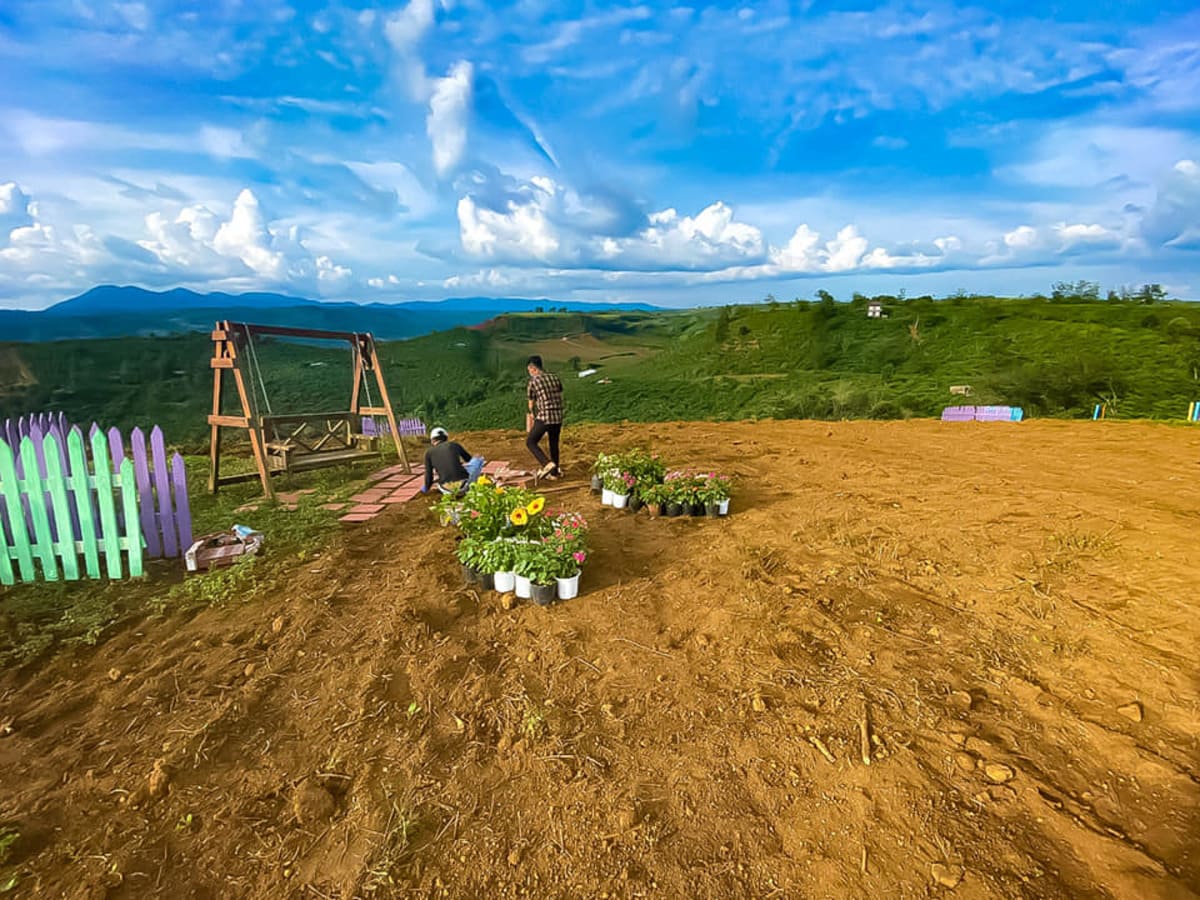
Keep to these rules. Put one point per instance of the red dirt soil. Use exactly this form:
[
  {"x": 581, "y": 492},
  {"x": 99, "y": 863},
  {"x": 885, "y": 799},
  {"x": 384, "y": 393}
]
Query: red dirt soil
[{"x": 1009, "y": 610}]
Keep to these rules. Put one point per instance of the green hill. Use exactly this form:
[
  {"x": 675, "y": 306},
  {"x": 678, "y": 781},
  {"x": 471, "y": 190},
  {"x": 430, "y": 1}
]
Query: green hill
[{"x": 800, "y": 359}]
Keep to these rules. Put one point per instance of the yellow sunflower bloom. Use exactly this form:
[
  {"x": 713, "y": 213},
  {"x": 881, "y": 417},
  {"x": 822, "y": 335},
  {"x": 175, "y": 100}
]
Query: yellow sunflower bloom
[
  {"x": 519, "y": 516},
  {"x": 483, "y": 479},
  {"x": 536, "y": 505}
]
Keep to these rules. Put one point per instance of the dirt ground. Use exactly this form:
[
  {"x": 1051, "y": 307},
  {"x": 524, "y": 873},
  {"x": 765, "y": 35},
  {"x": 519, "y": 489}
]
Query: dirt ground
[{"x": 1010, "y": 611}]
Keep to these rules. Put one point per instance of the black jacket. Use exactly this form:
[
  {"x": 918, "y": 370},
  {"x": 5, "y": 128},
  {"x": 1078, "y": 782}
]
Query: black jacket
[{"x": 447, "y": 460}]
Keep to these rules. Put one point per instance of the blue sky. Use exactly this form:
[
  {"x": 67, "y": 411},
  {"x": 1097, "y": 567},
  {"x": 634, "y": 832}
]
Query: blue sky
[{"x": 667, "y": 153}]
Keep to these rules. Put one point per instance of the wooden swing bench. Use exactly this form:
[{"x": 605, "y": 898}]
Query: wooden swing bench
[{"x": 294, "y": 442}]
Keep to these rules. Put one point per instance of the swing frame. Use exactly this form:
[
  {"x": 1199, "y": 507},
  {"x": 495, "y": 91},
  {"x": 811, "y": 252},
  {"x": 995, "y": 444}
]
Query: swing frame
[{"x": 335, "y": 437}]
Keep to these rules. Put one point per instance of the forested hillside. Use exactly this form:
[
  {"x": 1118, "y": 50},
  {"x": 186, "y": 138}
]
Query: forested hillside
[{"x": 801, "y": 359}]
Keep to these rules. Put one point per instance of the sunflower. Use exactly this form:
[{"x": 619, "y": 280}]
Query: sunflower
[
  {"x": 519, "y": 516},
  {"x": 536, "y": 505}
]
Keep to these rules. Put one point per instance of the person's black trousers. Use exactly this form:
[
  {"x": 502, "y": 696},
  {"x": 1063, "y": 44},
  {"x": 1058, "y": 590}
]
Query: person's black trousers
[{"x": 535, "y": 436}]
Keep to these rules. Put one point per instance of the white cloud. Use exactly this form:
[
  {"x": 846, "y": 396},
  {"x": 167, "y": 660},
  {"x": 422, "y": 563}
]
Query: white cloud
[
  {"x": 405, "y": 29},
  {"x": 225, "y": 143},
  {"x": 14, "y": 209},
  {"x": 446, "y": 124},
  {"x": 521, "y": 231},
  {"x": 1174, "y": 219}
]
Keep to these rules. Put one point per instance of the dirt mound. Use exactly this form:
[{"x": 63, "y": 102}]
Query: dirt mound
[{"x": 918, "y": 659}]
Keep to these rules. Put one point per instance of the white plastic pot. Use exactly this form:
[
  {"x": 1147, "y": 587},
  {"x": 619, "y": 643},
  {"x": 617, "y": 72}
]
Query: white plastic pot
[
  {"x": 505, "y": 581},
  {"x": 723, "y": 507},
  {"x": 523, "y": 586},
  {"x": 606, "y": 497},
  {"x": 619, "y": 501},
  {"x": 568, "y": 588}
]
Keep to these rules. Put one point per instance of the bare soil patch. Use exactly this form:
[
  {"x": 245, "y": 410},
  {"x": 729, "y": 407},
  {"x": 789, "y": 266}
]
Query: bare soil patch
[{"x": 1001, "y": 618}]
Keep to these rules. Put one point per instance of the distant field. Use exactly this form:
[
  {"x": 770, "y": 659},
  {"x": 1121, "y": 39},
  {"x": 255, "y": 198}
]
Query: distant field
[{"x": 780, "y": 360}]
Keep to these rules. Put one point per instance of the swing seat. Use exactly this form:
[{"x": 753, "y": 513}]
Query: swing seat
[{"x": 297, "y": 443}]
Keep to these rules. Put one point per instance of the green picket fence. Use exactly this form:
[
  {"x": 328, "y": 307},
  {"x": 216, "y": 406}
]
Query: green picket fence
[{"x": 41, "y": 513}]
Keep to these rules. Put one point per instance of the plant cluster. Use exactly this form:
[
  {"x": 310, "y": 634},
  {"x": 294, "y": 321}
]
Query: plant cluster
[
  {"x": 506, "y": 529},
  {"x": 631, "y": 472},
  {"x": 692, "y": 488}
]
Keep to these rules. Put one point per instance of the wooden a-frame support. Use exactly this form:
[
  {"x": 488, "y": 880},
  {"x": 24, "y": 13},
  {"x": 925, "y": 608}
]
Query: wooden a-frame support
[{"x": 230, "y": 341}]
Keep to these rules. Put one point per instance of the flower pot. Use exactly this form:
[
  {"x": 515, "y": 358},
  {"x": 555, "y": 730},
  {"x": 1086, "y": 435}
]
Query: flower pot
[
  {"x": 606, "y": 497},
  {"x": 723, "y": 507},
  {"x": 620, "y": 501},
  {"x": 697, "y": 508},
  {"x": 635, "y": 503},
  {"x": 673, "y": 509},
  {"x": 597, "y": 484},
  {"x": 657, "y": 509},
  {"x": 470, "y": 576},
  {"x": 523, "y": 587},
  {"x": 544, "y": 594},
  {"x": 568, "y": 588},
  {"x": 505, "y": 581},
  {"x": 487, "y": 581},
  {"x": 712, "y": 510}
]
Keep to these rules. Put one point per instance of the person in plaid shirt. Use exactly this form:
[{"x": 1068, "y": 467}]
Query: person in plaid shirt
[{"x": 545, "y": 416}]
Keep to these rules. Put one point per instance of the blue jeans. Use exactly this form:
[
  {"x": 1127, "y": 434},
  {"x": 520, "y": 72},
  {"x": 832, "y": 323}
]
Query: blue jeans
[{"x": 475, "y": 469}]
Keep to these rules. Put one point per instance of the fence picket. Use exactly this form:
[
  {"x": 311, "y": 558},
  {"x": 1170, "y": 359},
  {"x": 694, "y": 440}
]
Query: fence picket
[
  {"x": 62, "y": 509},
  {"x": 11, "y": 487},
  {"x": 183, "y": 511},
  {"x": 43, "y": 545},
  {"x": 83, "y": 502},
  {"x": 133, "y": 528},
  {"x": 57, "y": 504},
  {"x": 162, "y": 485},
  {"x": 137, "y": 444},
  {"x": 117, "y": 448},
  {"x": 111, "y": 538}
]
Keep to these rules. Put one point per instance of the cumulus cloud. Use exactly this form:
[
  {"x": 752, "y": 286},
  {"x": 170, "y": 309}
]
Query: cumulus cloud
[
  {"x": 197, "y": 242},
  {"x": 539, "y": 222},
  {"x": 14, "y": 209},
  {"x": 405, "y": 29},
  {"x": 521, "y": 230},
  {"x": 446, "y": 124},
  {"x": 1174, "y": 219},
  {"x": 542, "y": 221}
]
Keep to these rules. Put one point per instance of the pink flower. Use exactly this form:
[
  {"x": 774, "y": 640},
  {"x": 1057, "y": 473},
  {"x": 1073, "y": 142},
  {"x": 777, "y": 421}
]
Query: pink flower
[
  {"x": 580, "y": 556},
  {"x": 474, "y": 514}
]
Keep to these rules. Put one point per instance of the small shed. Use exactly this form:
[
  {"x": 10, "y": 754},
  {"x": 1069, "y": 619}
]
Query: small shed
[{"x": 875, "y": 310}]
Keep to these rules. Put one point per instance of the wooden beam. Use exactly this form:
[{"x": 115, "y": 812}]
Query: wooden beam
[
  {"x": 387, "y": 404},
  {"x": 217, "y": 363},
  {"x": 373, "y": 411},
  {"x": 282, "y": 331},
  {"x": 229, "y": 421}
]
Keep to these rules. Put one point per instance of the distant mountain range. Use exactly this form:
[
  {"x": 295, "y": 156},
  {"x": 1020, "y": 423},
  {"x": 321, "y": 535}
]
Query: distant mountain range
[{"x": 116, "y": 311}]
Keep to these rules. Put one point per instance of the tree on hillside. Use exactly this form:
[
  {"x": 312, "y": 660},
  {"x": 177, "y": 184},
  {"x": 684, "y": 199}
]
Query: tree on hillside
[
  {"x": 1077, "y": 291},
  {"x": 826, "y": 298},
  {"x": 1150, "y": 293}
]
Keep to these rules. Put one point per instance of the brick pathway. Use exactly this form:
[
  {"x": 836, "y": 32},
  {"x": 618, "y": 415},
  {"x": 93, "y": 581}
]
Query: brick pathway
[{"x": 392, "y": 485}]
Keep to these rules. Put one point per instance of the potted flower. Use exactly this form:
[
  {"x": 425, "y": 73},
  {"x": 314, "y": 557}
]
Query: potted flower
[
  {"x": 655, "y": 497},
  {"x": 537, "y": 564},
  {"x": 604, "y": 462},
  {"x": 502, "y": 560},
  {"x": 714, "y": 492},
  {"x": 568, "y": 545},
  {"x": 619, "y": 483},
  {"x": 472, "y": 556}
]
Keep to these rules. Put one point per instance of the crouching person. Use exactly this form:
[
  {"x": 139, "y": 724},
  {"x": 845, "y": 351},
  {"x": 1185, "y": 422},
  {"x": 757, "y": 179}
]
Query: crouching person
[{"x": 449, "y": 465}]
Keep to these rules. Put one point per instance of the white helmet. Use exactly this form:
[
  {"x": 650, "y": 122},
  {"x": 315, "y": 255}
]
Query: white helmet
[{"x": 438, "y": 433}]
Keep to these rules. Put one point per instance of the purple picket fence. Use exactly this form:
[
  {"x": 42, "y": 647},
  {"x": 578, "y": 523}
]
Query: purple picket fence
[
  {"x": 164, "y": 510},
  {"x": 406, "y": 427},
  {"x": 982, "y": 414}
]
